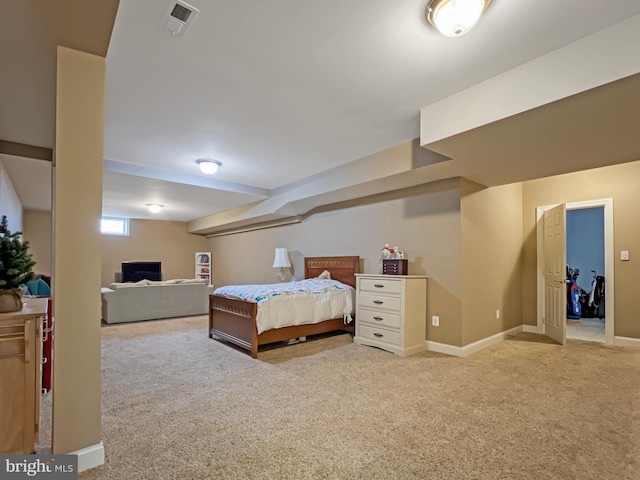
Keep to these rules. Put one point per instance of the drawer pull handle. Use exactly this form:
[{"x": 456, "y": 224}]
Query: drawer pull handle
[
  {"x": 379, "y": 285},
  {"x": 378, "y": 318},
  {"x": 379, "y": 335},
  {"x": 378, "y": 302}
]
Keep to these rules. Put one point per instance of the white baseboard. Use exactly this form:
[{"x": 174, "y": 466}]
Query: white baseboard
[
  {"x": 90, "y": 457},
  {"x": 444, "y": 348},
  {"x": 486, "y": 342},
  {"x": 472, "y": 347},
  {"x": 412, "y": 350},
  {"x": 626, "y": 341}
]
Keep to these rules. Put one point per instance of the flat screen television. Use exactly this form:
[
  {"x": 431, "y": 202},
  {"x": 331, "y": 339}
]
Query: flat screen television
[{"x": 136, "y": 271}]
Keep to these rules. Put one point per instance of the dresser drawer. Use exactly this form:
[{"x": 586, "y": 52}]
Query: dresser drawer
[
  {"x": 380, "y": 285},
  {"x": 379, "y": 334},
  {"x": 385, "y": 319},
  {"x": 379, "y": 301}
]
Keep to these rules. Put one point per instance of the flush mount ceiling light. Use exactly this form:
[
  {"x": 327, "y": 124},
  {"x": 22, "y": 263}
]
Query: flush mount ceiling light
[
  {"x": 208, "y": 165},
  {"x": 454, "y": 18},
  {"x": 154, "y": 207}
]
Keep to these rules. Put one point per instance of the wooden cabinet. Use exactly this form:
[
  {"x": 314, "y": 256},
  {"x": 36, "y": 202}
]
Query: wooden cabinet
[
  {"x": 203, "y": 266},
  {"x": 20, "y": 376},
  {"x": 391, "y": 312}
]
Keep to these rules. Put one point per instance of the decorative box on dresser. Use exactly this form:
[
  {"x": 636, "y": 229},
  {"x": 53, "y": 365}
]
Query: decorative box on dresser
[
  {"x": 20, "y": 376},
  {"x": 391, "y": 312}
]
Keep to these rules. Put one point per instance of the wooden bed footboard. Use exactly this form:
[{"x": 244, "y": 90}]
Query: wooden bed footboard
[{"x": 234, "y": 321}]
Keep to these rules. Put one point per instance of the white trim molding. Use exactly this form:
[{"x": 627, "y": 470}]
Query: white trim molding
[
  {"x": 90, "y": 457},
  {"x": 532, "y": 329},
  {"x": 488, "y": 341},
  {"x": 444, "y": 348},
  {"x": 472, "y": 347},
  {"x": 626, "y": 342}
]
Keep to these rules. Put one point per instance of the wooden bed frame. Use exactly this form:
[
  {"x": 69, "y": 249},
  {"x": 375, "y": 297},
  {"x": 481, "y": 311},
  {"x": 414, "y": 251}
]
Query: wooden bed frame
[{"x": 234, "y": 321}]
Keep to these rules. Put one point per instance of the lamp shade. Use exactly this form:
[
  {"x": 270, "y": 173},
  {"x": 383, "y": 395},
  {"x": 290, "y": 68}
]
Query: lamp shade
[{"x": 281, "y": 259}]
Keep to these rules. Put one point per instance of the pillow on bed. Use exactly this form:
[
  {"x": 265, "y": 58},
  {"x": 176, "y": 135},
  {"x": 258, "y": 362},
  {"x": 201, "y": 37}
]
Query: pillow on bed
[{"x": 326, "y": 275}]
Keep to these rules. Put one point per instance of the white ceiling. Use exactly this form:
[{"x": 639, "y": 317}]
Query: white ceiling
[{"x": 279, "y": 91}]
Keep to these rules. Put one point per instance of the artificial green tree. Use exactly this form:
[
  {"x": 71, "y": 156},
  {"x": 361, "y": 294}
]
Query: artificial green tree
[{"x": 16, "y": 263}]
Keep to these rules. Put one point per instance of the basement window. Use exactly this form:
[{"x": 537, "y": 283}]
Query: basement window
[{"x": 114, "y": 226}]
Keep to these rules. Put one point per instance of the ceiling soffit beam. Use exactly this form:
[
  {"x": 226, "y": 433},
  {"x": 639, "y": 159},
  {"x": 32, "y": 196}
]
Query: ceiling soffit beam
[
  {"x": 174, "y": 177},
  {"x": 27, "y": 151},
  {"x": 257, "y": 226},
  {"x": 600, "y": 58},
  {"x": 401, "y": 158},
  {"x": 398, "y": 167}
]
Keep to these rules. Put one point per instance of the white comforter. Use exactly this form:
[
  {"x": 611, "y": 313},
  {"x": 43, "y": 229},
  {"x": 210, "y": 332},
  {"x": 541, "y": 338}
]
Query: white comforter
[{"x": 295, "y": 303}]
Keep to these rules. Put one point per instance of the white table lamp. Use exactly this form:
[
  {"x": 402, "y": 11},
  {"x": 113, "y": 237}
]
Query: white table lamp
[{"x": 281, "y": 261}]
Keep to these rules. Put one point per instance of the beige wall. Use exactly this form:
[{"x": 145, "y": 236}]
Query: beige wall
[
  {"x": 491, "y": 259},
  {"x": 424, "y": 221},
  {"x": 153, "y": 241},
  {"x": 37, "y": 230},
  {"x": 619, "y": 182},
  {"x": 476, "y": 244},
  {"x": 77, "y": 207},
  {"x": 10, "y": 204},
  {"x": 465, "y": 237}
]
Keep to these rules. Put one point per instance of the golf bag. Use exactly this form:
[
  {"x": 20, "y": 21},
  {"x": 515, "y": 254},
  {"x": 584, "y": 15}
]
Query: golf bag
[{"x": 574, "y": 309}]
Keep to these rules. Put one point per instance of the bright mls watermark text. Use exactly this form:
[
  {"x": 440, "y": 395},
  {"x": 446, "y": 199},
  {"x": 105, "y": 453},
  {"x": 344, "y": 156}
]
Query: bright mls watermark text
[{"x": 51, "y": 467}]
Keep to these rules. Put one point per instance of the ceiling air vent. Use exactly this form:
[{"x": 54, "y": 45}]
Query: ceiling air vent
[{"x": 177, "y": 18}]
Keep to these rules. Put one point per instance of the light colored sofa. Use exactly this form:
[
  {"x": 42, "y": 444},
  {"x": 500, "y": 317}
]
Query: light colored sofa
[{"x": 147, "y": 300}]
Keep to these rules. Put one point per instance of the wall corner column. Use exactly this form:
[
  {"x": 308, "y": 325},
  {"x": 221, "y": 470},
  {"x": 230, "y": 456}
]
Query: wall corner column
[{"x": 77, "y": 207}]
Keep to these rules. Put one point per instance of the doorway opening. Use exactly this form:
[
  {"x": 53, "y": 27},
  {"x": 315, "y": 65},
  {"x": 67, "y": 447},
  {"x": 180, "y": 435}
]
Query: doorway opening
[
  {"x": 606, "y": 206},
  {"x": 585, "y": 274}
]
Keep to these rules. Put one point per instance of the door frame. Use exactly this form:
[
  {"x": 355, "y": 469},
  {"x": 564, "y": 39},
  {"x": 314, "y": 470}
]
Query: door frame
[{"x": 609, "y": 289}]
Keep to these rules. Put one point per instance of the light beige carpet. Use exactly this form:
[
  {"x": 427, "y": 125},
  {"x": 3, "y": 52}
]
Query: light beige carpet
[{"x": 177, "y": 405}]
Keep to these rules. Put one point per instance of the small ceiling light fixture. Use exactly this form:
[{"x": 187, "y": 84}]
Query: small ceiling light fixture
[
  {"x": 454, "y": 18},
  {"x": 208, "y": 165},
  {"x": 154, "y": 207}
]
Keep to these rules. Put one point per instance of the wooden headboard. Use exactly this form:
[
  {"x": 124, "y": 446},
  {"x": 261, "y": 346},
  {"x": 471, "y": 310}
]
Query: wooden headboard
[{"x": 342, "y": 269}]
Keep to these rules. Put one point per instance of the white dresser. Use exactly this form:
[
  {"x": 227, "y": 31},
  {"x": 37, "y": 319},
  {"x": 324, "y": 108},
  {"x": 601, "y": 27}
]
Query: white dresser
[{"x": 391, "y": 312}]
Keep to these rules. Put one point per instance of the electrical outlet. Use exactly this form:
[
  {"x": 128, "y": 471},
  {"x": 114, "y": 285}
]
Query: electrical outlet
[
  {"x": 435, "y": 321},
  {"x": 498, "y": 313}
]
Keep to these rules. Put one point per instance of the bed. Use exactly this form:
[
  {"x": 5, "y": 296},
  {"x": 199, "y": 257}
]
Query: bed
[{"x": 234, "y": 320}]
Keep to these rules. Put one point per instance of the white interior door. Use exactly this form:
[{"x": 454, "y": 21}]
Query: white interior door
[{"x": 555, "y": 276}]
